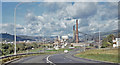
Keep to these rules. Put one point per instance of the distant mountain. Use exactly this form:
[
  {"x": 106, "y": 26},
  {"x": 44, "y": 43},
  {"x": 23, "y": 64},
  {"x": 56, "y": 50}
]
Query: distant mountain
[
  {"x": 96, "y": 35},
  {"x": 9, "y": 37},
  {"x": 115, "y": 32}
]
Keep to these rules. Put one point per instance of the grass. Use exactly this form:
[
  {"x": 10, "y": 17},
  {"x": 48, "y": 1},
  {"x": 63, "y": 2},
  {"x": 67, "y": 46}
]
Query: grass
[
  {"x": 35, "y": 50},
  {"x": 0, "y": 61},
  {"x": 31, "y": 50},
  {"x": 61, "y": 50},
  {"x": 110, "y": 55}
]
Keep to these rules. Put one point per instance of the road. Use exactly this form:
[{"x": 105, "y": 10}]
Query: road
[
  {"x": 32, "y": 59},
  {"x": 69, "y": 58},
  {"x": 56, "y": 58}
]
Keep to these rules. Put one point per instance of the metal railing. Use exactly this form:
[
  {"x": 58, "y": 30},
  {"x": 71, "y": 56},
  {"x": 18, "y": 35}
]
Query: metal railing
[{"x": 17, "y": 55}]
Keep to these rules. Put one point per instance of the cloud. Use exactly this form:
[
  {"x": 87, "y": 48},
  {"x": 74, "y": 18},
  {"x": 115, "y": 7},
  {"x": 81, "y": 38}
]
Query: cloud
[
  {"x": 59, "y": 21},
  {"x": 21, "y": 0},
  {"x": 61, "y": 0},
  {"x": 9, "y": 28},
  {"x": 81, "y": 0},
  {"x": 82, "y": 10}
]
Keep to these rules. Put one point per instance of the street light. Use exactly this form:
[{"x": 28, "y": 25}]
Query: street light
[
  {"x": 15, "y": 25},
  {"x": 98, "y": 35}
]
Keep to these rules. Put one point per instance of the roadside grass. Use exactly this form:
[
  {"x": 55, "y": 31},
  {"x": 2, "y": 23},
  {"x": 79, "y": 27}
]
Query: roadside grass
[
  {"x": 31, "y": 50},
  {"x": 51, "y": 50},
  {"x": 0, "y": 61},
  {"x": 65, "y": 49},
  {"x": 61, "y": 50},
  {"x": 110, "y": 55},
  {"x": 35, "y": 50}
]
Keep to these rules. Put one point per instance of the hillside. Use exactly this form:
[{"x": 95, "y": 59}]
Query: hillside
[
  {"x": 104, "y": 34},
  {"x": 9, "y": 37}
]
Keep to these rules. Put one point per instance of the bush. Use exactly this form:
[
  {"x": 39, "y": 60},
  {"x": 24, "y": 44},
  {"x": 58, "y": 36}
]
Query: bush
[
  {"x": 9, "y": 48},
  {"x": 107, "y": 41}
]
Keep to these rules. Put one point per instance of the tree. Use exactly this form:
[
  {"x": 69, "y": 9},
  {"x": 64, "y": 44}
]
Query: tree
[
  {"x": 21, "y": 46},
  {"x": 0, "y": 52},
  {"x": 35, "y": 45},
  {"x": 110, "y": 38},
  {"x": 108, "y": 41},
  {"x": 11, "y": 48},
  {"x": 118, "y": 35}
]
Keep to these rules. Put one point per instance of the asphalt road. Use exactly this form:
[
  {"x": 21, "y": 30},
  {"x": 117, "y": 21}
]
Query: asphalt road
[
  {"x": 70, "y": 58},
  {"x": 56, "y": 58},
  {"x": 30, "y": 60}
]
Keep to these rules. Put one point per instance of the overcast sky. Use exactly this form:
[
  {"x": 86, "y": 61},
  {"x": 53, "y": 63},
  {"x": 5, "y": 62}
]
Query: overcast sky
[{"x": 58, "y": 18}]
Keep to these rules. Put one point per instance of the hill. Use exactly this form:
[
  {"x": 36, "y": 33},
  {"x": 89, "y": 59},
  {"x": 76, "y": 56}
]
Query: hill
[{"x": 9, "y": 37}]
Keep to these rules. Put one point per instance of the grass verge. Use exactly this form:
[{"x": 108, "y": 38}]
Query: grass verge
[
  {"x": 61, "y": 50},
  {"x": 110, "y": 55},
  {"x": 31, "y": 50}
]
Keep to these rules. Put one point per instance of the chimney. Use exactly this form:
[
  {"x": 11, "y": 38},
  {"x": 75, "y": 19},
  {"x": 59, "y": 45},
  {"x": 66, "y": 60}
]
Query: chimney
[
  {"x": 77, "y": 31},
  {"x": 73, "y": 33}
]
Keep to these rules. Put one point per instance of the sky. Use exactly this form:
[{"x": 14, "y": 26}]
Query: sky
[
  {"x": 61, "y": 0},
  {"x": 58, "y": 18}
]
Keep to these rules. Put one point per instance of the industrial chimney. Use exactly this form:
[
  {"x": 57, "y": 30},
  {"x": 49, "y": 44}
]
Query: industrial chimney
[
  {"x": 77, "y": 31},
  {"x": 73, "y": 33}
]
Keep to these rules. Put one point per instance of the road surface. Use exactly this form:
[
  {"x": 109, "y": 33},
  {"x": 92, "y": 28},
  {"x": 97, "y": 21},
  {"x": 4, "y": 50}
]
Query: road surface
[
  {"x": 56, "y": 58},
  {"x": 70, "y": 58}
]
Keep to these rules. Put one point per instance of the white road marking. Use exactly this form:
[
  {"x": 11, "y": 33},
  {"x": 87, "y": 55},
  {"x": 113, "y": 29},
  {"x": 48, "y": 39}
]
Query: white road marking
[{"x": 48, "y": 61}]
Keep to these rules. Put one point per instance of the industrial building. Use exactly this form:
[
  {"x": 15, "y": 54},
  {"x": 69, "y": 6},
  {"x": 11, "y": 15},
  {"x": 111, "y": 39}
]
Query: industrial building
[{"x": 60, "y": 42}]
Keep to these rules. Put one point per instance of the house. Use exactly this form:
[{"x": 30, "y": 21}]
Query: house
[{"x": 116, "y": 42}]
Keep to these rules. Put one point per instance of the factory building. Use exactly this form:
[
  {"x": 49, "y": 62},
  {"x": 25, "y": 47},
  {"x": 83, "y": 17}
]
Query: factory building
[{"x": 60, "y": 42}]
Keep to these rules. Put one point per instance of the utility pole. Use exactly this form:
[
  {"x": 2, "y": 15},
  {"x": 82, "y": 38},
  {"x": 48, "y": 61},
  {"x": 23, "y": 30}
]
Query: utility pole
[
  {"x": 44, "y": 45},
  {"x": 84, "y": 47},
  {"x": 99, "y": 39},
  {"x": 85, "y": 41}
]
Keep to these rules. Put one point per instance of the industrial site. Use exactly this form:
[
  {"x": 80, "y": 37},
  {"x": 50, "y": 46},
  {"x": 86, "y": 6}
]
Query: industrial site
[{"x": 58, "y": 33}]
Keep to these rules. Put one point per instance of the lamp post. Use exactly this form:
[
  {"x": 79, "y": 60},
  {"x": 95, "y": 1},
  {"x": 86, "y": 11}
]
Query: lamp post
[
  {"x": 99, "y": 36},
  {"x": 15, "y": 26}
]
